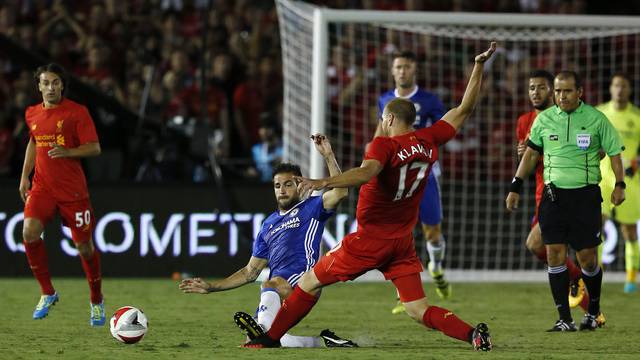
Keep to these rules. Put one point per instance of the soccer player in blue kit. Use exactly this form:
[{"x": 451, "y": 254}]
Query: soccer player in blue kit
[
  {"x": 429, "y": 109},
  {"x": 289, "y": 243}
]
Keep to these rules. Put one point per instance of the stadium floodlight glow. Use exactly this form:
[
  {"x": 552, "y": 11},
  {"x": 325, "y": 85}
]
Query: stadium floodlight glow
[{"x": 337, "y": 62}]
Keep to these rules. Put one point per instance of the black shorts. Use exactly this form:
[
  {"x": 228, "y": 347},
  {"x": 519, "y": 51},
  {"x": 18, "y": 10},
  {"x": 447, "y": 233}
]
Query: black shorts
[{"x": 574, "y": 218}]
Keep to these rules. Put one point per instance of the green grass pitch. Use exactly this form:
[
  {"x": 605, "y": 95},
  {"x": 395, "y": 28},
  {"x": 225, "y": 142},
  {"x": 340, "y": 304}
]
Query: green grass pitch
[{"x": 192, "y": 326}]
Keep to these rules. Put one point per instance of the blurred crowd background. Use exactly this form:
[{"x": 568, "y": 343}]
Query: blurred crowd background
[{"x": 178, "y": 89}]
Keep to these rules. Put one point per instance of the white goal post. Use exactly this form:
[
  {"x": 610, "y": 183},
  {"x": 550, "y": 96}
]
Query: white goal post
[{"x": 337, "y": 62}]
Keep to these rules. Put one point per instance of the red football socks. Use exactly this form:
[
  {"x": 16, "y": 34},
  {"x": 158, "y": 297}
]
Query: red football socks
[
  {"x": 294, "y": 308},
  {"x": 91, "y": 268},
  {"x": 37, "y": 258},
  {"x": 447, "y": 322}
]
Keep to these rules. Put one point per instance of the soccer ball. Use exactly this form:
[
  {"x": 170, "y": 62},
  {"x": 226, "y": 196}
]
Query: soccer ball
[{"x": 128, "y": 324}]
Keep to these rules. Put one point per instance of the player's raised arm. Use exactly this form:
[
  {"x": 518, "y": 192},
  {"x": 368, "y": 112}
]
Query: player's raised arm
[
  {"x": 331, "y": 198},
  {"x": 247, "y": 274},
  {"x": 456, "y": 116}
]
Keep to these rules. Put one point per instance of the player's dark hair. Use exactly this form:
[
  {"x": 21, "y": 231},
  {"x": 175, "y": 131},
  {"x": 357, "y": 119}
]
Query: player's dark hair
[
  {"x": 568, "y": 74},
  {"x": 540, "y": 73},
  {"x": 52, "y": 68},
  {"x": 403, "y": 109},
  {"x": 287, "y": 168},
  {"x": 621, "y": 74},
  {"x": 405, "y": 54}
]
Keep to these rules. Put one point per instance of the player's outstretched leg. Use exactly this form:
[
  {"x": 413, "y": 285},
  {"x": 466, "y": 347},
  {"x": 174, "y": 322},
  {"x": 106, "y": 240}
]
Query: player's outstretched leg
[
  {"x": 332, "y": 340},
  {"x": 434, "y": 317},
  {"x": 448, "y": 323}
]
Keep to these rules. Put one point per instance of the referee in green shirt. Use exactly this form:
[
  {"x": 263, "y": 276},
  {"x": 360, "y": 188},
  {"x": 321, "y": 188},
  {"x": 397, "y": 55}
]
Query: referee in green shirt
[{"x": 571, "y": 136}]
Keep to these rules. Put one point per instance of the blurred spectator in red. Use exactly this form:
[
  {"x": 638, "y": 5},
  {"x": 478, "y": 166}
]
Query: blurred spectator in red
[{"x": 257, "y": 94}]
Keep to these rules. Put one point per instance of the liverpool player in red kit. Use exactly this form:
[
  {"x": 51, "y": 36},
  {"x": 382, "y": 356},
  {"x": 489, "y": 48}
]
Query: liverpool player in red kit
[
  {"x": 61, "y": 132},
  {"x": 541, "y": 97},
  {"x": 393, "y": 176}
]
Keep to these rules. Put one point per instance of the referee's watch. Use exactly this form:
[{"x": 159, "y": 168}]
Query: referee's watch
[{"x": 621, "y": 184}]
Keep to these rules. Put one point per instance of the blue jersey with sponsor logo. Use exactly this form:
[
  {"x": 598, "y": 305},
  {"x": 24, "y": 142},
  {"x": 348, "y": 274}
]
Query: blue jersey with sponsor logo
[{"x": 291, "y": 241}]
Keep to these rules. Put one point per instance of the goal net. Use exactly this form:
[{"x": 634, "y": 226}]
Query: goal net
[{"x": 337, "y": 62}]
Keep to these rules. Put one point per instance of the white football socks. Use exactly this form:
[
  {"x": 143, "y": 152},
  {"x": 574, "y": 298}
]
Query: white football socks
[
  {"x": 268, "y": 308},
  {"x": 292, "y": 341},
  {"x": 267, "y": 311},
  {"x": 436, "y": 255}
]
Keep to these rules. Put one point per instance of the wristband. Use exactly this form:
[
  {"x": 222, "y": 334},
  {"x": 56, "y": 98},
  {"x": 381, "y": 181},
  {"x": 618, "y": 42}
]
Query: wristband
[
  {"x": 516, "y": 185},
  {"x": 621, "y": 184}
]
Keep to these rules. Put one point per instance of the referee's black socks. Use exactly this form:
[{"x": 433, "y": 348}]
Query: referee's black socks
[
  {"x": 593, "y": 282},
  {"x": 559, "y": 282}
]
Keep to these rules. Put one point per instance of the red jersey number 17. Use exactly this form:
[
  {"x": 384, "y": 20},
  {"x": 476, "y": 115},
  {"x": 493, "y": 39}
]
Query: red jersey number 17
[{"x": 403, "y": 179}]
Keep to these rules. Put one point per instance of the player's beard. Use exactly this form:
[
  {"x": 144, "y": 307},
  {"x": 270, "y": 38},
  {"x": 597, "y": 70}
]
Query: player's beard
[
  {"x": 285, "y": 205},
  {"x": 543, "y": 105}
]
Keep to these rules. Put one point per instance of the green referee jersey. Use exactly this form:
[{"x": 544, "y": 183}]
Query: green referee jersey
[{"x": 570, "y": 144}]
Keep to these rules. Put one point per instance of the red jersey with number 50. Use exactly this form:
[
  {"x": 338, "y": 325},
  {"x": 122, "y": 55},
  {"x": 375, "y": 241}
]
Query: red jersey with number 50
[
  {"x": 68, "y": 125},
  {"x": 388, "y": 203}
]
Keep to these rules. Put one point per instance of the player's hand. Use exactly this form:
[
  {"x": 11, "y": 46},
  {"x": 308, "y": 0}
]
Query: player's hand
[
  {"x": 307, "y": 186},
  {"x": 521, "y": 149},
  {"x": 512, "y": 201},
  {"x": 487, "y": 54},
  {"x": 58, "y": 151},
  {"x": 322, "y": 144},
  {"x": 617, "y": 196},
  {"x": 24, "y": 187},
  {"x": 195, "y": 286}
]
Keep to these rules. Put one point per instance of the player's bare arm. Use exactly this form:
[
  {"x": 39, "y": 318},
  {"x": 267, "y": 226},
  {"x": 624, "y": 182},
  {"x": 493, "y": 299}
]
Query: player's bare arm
[
  {"x": 350, "y": 178},
  {"x": 84, "y": 150},
  {"x": 247, "y": 274},
  {"x": 527, "y": 164},
  {"x": 617, "y": 195},
  {"x": 331, "y": 198},
  {"x": 456, "y": 116},
  {"x": 27, "y": 168}
]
